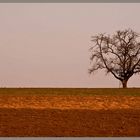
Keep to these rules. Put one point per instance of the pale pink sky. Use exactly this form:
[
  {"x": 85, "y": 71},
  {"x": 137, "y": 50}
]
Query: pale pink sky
[{"x": 46, "y": 45}]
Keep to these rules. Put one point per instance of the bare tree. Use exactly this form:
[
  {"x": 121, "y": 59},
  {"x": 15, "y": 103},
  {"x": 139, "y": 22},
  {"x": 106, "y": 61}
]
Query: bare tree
[{"x": 118, "y": 54}]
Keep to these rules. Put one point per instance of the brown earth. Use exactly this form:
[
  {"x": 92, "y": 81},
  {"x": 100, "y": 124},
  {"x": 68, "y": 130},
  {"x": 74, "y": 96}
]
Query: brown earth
[{"x": 69, "y": 116}]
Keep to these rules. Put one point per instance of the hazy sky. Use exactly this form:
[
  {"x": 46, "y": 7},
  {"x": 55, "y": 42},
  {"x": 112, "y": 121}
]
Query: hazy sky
[{"x": 47, "y": 45}]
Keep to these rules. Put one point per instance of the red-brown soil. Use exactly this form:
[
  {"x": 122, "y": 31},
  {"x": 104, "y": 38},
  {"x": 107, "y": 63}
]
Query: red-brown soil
[{"x": 69, "y": 116}]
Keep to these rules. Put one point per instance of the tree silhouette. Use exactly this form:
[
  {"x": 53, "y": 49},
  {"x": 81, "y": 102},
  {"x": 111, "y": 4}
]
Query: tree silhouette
[{"x": 118, "y": 54}]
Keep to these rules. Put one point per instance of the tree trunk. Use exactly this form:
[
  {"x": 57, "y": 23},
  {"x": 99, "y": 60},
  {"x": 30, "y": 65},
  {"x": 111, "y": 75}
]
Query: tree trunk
[{"x": 124, "y": 83}]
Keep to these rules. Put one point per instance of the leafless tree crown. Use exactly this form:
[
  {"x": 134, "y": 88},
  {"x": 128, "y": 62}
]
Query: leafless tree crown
[{"x": 118, "y": 54}]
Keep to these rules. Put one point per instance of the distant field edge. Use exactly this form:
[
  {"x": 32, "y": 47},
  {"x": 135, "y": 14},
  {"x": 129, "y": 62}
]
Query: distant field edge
[{"x": 69, "y": 91}]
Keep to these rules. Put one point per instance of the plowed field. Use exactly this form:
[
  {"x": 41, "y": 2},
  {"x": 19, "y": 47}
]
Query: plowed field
[{"x": 69, "y": 115}]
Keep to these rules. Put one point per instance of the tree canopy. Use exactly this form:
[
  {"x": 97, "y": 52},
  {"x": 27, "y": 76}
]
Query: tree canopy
[{"x": 118, "y": 54}]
